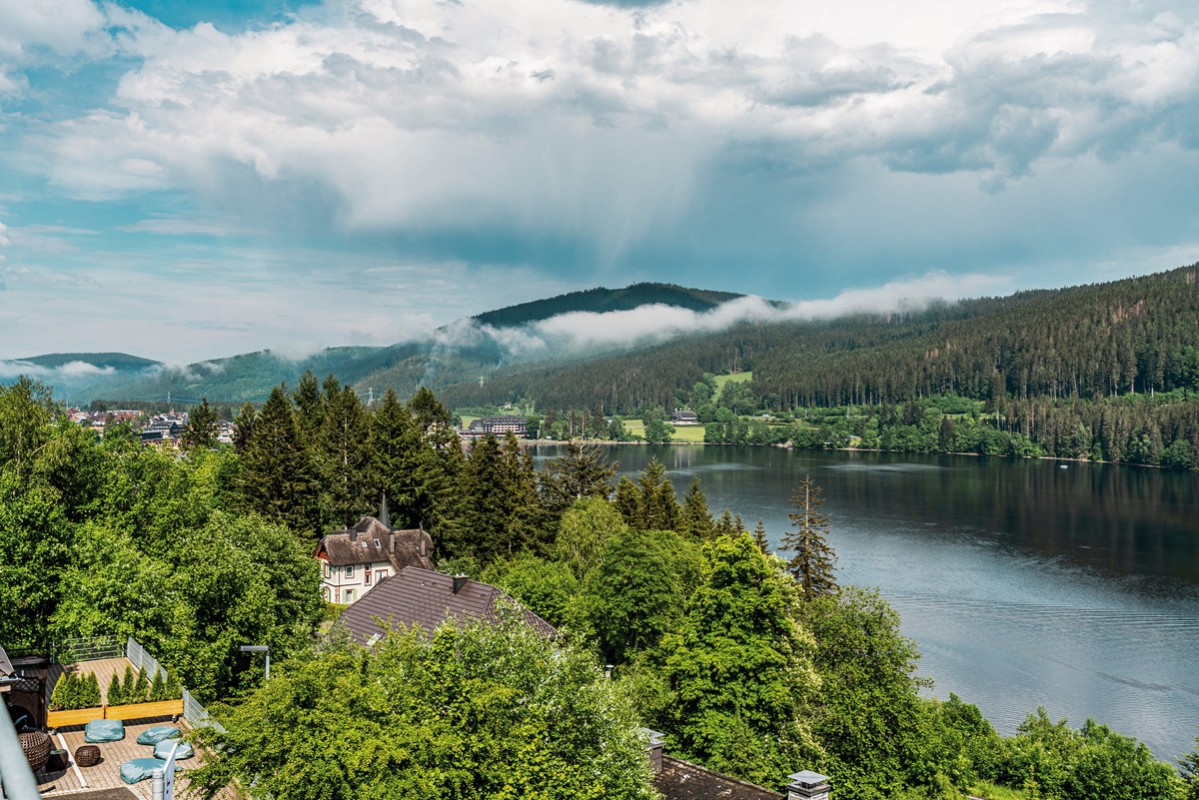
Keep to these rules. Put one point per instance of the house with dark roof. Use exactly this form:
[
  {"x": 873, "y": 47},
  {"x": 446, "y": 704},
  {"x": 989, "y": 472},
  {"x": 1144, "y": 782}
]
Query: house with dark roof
[
  {"x": 420, "y": 597},
  {"x": 355, "y": 559},
  {"x": 683, "y": 416},
  {"x": 677, "y": 779}
]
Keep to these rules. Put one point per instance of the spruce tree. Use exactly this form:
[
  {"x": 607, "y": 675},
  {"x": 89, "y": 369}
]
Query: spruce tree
[
  {"x": 760, "y": 538},
  {"x": 202, "y": 427},
  {"x": 659, "y": 510},
  {"x": 310, "y": 407},
  {"x": 696, "y": 519},
  {"x": 343, "y": 455},
  {"x": 812, "y": 564},
  {"x": 628, "y": 502},
  {"x": 274, "y": 470},
  {"x": 140, "y": 688},
  {"x": 158, "y": 687},
  {"x": 581, "y": 471},
  {"x": 243, "y": 426},
  {"x": 396, "y": 451}
]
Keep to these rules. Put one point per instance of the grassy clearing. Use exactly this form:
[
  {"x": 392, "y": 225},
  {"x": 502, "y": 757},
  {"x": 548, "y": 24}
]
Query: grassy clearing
[
  {"x": 736, "y": 377},
  {"x": 688, "y": 433}
]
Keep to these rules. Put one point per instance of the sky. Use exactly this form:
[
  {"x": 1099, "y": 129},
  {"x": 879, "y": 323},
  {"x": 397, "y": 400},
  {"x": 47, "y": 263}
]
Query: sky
[{"x": 186, "y": 181}]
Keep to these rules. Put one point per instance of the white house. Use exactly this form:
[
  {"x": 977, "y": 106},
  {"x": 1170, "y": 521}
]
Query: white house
[{"x": 357, "y": 558}]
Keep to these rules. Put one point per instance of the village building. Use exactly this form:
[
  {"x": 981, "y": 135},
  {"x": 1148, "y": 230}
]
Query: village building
[
  {"x": 426, "y": 599},
  {"x": 498, "y": 426},
  {"x": 683, "y": 416},
  {"x": 354, "y": 560}
]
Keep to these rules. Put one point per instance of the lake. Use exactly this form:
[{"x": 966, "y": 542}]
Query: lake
[{"x": 1022, "y": 582}]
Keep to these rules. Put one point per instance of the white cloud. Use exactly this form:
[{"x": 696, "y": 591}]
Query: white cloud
[{"x": 560, "y": 120}]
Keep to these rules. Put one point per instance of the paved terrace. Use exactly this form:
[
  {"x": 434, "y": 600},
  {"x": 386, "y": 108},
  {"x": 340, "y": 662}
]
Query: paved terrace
[
  {"x": 76, "y": 783},
  {"x": 103, "y": 781}
]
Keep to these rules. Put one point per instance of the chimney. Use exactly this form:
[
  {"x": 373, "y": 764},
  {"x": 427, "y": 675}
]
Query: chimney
[
  {"x": 654, "y": 749},
  {"x": 459, "y": 581},
  {"x": 808, "y": 785}
]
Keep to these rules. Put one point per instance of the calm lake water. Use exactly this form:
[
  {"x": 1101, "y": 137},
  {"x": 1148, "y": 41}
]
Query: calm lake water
[{"x": 1023, "y": 583}]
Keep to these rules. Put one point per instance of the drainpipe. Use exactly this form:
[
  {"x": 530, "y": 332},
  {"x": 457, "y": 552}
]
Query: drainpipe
[{"x": 15, "y": 775}]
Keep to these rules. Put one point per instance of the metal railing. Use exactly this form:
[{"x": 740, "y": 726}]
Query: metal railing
[
  {"x": 72, "y": 651},
  {"x": 197, "y": 715},
  {"x": 16, "y": 777}
]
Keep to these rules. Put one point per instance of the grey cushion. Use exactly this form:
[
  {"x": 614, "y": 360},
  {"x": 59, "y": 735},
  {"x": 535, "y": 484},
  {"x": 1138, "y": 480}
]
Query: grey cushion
[{"x": 163, "y": 749}]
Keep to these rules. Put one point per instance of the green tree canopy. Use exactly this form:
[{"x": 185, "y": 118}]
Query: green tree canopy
[
  {"x": 473, "y": 713},
  {"x": 741, "y": 669}
]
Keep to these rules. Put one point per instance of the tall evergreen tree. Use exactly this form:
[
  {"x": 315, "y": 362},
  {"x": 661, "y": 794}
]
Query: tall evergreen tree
[
  {"x": 659, "y": 510},
  {"x": 243, "y": 426},
  {"x": 581, "y": 471},
  {"x": 397, "y": 450},
  {"x": 696, "y": 519},
  {"x": 760, "y": 538},
  {"x": 344, "y": 459},
  {"x": 627, "y": 501},
  {"x": 812, "y": 564},
  {"x": 202, "y": 427},
  {"x": 274, "y": 476},
  {"x": 310, "y": 408}
]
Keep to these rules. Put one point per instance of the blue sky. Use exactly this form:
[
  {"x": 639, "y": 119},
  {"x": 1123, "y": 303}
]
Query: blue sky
[{"x": 193, "y": 180}]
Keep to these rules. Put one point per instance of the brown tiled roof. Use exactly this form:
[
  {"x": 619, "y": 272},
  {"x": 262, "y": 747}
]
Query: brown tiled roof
[
  {"x": 416, "y": 596},
  {"x": 682, "y": 780},
  {"x": 356, "y": 545}
]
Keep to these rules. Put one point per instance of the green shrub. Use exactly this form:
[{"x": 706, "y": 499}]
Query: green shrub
[
  {"x": 141, "y": 688},
  {"x": 114, "y": 691}
]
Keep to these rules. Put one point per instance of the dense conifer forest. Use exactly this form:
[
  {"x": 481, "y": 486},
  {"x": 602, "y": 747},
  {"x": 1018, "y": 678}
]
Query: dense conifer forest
[{"x": 753, "y": 663}]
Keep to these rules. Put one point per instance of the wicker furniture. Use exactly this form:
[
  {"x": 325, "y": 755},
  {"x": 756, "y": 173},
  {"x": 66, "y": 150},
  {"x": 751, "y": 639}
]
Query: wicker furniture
[
  {"x": 87, "y": 755},
  {"x": 57, "y": 762},
  {"x": 36, "y": 746}
]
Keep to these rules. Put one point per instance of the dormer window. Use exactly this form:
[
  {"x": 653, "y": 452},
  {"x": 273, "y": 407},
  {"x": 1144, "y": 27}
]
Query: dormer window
[{"x": 378, "y": 545}]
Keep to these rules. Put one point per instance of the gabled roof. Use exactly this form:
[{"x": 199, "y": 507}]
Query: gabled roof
[
  {"x": 357, "y": 545},
  {"x": 682, "y": 780},
  {"x": 417, "y": 596}
]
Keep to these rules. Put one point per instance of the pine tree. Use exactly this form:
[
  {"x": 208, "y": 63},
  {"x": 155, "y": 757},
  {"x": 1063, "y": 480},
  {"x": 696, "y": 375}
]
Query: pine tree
[
  {"x": 696, "y": 519},
  {"x": 812, "y": 564},
  {"x": 1190, "y": 771},
  {"x": 172, "y": 690},
  {"x": 202, "y": 427},
  {"x": 726, "y": 525}
]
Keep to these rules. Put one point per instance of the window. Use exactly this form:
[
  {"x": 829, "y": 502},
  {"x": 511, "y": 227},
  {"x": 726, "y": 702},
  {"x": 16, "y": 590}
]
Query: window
[
  {"x": 366, "y": 575},
  {"x": 325, "y": 593},
  {"x": 380, "y": 574},
  {"x": 349, "y": 570},
  {"x": 347, "y": 596},
  {"x": 327, "y": 570}
]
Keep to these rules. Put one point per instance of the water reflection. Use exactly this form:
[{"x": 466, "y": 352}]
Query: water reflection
[{"x": 1024, "y": 584}]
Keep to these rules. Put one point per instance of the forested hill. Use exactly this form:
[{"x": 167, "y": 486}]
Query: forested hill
[
  {"x": 601, "y": 300},
  {"x": 1136, "y": 335}
]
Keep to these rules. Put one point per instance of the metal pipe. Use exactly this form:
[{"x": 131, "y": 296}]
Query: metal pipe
[{"x": 15, "y": 774}]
